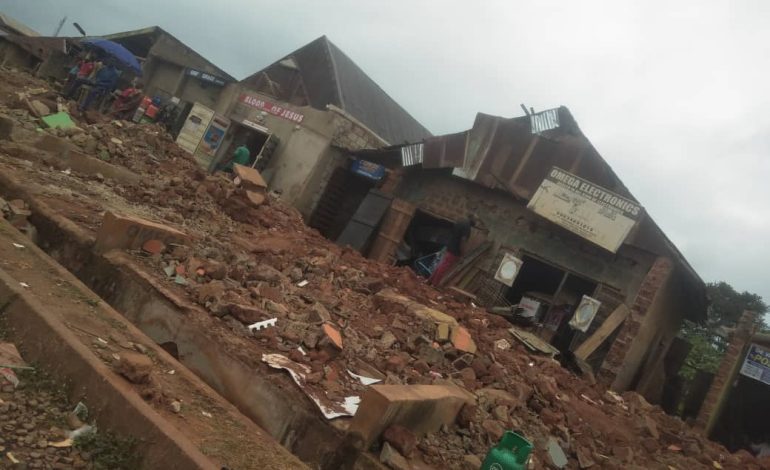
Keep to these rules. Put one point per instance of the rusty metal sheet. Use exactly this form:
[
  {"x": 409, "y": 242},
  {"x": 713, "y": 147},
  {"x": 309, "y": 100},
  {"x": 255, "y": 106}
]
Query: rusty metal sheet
[{"x": 446, "y": 151}]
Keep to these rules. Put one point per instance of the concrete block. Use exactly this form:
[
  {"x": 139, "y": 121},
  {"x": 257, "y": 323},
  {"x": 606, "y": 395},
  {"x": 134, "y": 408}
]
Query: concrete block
[
  {"x": 132, "y": 233},
  {"x": 251, "y": 179},
  {"x": 420, "y": 408}
]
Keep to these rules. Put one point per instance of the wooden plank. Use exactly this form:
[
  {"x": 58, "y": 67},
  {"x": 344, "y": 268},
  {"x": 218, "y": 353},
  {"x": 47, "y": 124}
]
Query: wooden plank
[
  {"x": 612, "y": 322},
  {"x": 392, "y": 230}
]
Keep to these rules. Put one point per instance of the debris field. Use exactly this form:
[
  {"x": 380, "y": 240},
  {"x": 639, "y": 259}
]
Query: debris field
[{"x": 284, "y": 300}]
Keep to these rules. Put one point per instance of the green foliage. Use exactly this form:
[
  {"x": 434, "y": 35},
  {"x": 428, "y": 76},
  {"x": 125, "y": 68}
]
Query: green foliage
[
  {"x": 727, "y": 304},
  {"x": 109, "y": 452},
  {"x": 708, "y": 340},
  {"x": 707, "y": 349}
]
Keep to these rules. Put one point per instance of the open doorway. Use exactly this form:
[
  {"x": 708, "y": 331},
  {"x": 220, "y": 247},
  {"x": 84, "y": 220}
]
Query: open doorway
[
  {"x": 558, "y": 294},
  {"x": 425, "y": 236},
  {"x": 745, "y": 417},
  {"x": 254, "y": 139},
  {"x": 343, "y": 194}
]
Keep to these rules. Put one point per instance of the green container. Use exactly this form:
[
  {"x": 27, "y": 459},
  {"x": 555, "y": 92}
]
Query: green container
[{"x": 512, "y": 453}]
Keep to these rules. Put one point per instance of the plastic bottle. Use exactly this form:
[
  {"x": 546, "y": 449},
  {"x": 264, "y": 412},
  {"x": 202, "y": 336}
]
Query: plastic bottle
[{"x": 512, "y": 453}]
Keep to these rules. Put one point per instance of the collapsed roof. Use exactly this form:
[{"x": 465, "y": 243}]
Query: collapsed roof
[
  {"x": 320, "y": 74},
  {"x": 516, "y": 154}
]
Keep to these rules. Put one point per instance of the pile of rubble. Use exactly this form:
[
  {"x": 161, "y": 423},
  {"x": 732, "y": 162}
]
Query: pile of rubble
[{"x": 338, "y": 322}]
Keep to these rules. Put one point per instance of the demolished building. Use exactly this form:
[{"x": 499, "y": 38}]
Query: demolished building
[
  {"x": 300, "y": 115},
  {"x": 546, "y": 197}
]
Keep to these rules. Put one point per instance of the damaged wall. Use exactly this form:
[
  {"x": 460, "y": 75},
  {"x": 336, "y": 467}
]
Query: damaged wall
[{"x": 512, "y": 225}]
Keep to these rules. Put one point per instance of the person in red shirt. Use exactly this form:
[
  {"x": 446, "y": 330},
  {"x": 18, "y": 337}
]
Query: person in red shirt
[{"x": 461, "y": 232}]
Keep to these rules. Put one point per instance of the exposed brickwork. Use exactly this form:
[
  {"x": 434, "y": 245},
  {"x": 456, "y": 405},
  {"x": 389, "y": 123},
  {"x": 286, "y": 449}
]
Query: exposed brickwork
[
  {"x": 655, "y": 279},
  {"x": 716, "y": 395}
]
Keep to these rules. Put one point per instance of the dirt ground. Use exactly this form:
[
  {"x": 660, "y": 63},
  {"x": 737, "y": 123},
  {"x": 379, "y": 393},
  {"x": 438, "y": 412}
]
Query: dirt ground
[{"x": 246, "y": 264}]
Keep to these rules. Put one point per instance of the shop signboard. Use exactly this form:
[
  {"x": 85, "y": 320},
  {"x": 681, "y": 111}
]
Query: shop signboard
[
  {"x": 368, "y": 169},
  {"x": 194, "y": 127},
  {"x": 757, "y": 364},
  {"x": 206, "y": 77},
  {"x": 586, "y": 209},
  {"x": 272, "y": 108}
]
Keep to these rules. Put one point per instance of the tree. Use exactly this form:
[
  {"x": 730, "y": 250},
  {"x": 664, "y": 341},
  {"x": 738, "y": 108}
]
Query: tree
[
  {"x": 727, "y": 305},
  {"x": 708, "y": 340}
]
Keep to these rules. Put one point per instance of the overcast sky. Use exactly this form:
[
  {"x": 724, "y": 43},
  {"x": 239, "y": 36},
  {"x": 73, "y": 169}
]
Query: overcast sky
[{"x": 674, "y": 95}]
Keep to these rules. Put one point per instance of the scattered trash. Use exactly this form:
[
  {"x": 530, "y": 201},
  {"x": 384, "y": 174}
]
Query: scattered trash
[
  {"x": 329, "y": 408},
  {"x": 207, "y": 414},
  {"x": 170, "y": 270},
  {"x": 502, "y": 344},
  {"x": 181, "y": 280},
  {"x": 171, "y": 372},
  {"x": 65, "y": 443},
  {"x": 302, "y": 283},
  {"x": 556, "y": 454},
  {"x": 262, "y": 324},
  {"x": 81, "y": 411},
  {"x": 302, "y": 351},
  {"x": 20, "y": 246},
  {"x": 67, "y": 171},
  {"x": 58, "y": 121},
  {"x": 13, "y": 459},
  {"x": 10, "y": 376},
  {"x": 24, "y": 285},
  {"x": 674, "y": 448},
  {"x": 364, "y": 380},
  {"x": 83, "y": 430},
  {"x": 176, "y": 406},
  {"x": 103, "y": 341}
]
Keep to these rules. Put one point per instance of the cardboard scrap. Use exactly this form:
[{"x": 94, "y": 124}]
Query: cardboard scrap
[{"x": 329, "y": 408}]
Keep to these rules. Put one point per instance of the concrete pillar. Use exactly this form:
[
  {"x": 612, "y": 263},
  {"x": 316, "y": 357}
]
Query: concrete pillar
[
  {"x": 728, "y": 368},
  {"x": 656, "y": 278}
]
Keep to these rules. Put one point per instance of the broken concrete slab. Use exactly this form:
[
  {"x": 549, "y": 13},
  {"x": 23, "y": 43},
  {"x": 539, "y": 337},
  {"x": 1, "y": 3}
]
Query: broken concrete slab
[
  {"x": 251, "y": 179},
  {"x": 124, "y": 232},
  {"x": 420, "y": 408}
]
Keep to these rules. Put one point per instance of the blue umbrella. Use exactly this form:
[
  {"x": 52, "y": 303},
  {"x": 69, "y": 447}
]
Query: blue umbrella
[{"x": 117, "y": 51}]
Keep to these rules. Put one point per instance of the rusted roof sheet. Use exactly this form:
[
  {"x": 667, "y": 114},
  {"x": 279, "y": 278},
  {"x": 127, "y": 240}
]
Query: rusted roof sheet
[{"x": 446, "y": 151}]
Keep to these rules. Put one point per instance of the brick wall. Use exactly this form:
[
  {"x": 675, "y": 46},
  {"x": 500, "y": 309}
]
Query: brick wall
[
  {"x": 513, "y": 226},
  {"x": 717, "y": 394},
  {"x": 616, "y": 357}
]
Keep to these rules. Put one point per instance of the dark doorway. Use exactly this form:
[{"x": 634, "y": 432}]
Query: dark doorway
[
  {"x": 745, "y": 418},
  {"x": 537, "y": 280},
  {"x": 559, "y": 293},
  {"x": 253, "y": 139},
  {"x": 426, "y": 235},
  {"x": 341, "y": 197}
]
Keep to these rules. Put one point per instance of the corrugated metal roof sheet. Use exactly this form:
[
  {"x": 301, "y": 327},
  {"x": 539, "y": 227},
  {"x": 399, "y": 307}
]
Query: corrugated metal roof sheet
[
  {"x": 330, "y": 77},
  {"x": 544, "y": 120},
  {"x": 412, "y": 154},
  {"x": 445, "y": 151}
]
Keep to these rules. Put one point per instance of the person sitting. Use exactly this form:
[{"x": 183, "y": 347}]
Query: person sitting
[{"x": 105, "y": 80}]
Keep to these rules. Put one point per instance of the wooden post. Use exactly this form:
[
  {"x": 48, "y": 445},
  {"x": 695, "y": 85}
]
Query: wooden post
[{"x": 612, "y": 322}]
